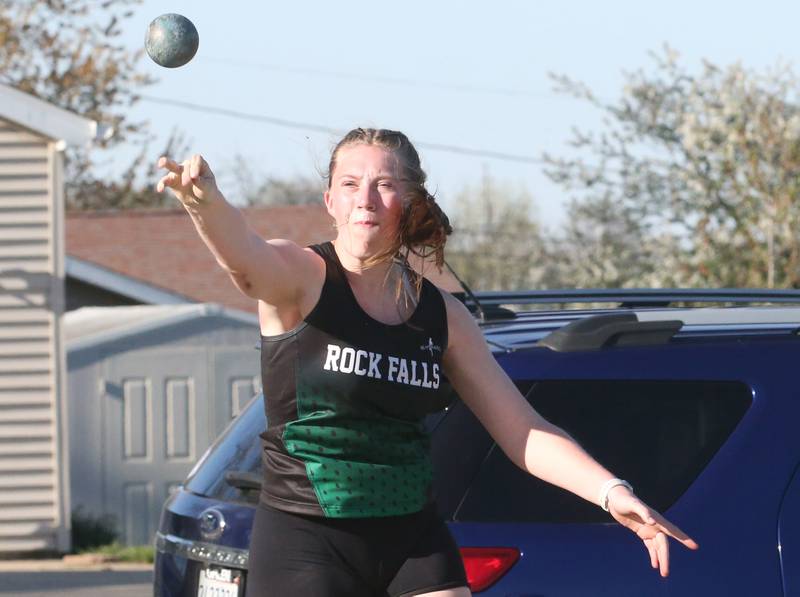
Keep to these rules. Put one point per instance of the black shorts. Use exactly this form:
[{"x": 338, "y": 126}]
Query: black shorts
[{"x": 292, "y": 555}]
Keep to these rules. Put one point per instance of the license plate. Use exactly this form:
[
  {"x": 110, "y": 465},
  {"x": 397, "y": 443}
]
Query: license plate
[{"x": 219, "y": 582}]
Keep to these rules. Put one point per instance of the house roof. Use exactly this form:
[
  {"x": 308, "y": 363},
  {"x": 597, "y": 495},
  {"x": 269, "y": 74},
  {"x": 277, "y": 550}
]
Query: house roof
[
  {"x": 90, "y": 326},
  {"x": 98, "y": 276},
  {"x": 48, "y": 120},
  {"x": 161, "y": 254}
]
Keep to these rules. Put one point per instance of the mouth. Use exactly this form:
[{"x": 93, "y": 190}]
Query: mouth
[{"x": 366, "y": 223}]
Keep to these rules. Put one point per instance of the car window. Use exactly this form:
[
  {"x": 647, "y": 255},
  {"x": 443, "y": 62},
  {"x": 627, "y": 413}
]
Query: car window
[
  {"x": 659, "y": 435},
  {"x": 459, "y": 446},
  {"x": 237, "y": 449}
]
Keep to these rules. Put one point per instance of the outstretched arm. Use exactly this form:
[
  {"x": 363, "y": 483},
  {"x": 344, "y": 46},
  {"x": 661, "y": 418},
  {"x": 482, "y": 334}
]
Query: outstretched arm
[
  {"x": 271, "y": 271},
  {"x": 536, "y": 445}
]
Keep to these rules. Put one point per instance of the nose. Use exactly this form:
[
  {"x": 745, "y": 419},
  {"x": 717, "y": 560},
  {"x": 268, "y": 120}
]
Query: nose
[{"x": 367, "y": 198}]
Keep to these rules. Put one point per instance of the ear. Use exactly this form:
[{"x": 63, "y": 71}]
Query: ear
[{"x": 329, "y": 203}]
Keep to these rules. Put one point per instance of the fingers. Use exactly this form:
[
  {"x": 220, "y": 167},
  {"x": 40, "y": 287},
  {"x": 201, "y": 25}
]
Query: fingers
[
  {"x": 191, "y": 180},
  {"x": 658, "y": 548},
  {"x": 191, "y": 171},
  {"x": 651, "y": 549},
  {"x": 656, "y": 523},
  {"x": 171, "y": 165},
  {"x": 662, "y": 553},
  {"x": 169, "y": 180},
  {"x": 673, "y": 531},
  {"x": 186, "y": 177},
  {"x": 644, "y": 513},
  {"x": 197, "y": 166},
  {"x": 653, "y": 529}
]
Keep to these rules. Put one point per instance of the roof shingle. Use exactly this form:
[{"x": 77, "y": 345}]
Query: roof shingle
[{"x": 162, "y": 248}]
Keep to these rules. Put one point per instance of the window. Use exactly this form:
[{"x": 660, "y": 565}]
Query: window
[
  {"x": 238, "y": 449},
  {"x": 659, "y": 435}
]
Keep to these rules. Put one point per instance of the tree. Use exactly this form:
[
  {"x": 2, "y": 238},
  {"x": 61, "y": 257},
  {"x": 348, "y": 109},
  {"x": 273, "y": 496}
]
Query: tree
[
  {"x": 708, "y": 160},
  {"x": 67, "y": 53},
  {"x": 135, "y": 188},
  {"x": 604, "y": 245},
  {"x": 496, "y": 244},
  {"x": 259, "y": 190}
]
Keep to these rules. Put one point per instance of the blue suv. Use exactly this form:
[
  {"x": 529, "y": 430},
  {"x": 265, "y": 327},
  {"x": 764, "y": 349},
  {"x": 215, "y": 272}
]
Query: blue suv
[{"x": 688, "y": 394}]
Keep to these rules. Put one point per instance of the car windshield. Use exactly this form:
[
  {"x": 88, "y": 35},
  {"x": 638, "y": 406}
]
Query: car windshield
[{"x": 231, "y": 468}]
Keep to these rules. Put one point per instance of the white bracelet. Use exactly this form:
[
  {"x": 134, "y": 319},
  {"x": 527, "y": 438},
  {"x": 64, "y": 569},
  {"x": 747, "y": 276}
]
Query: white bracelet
[{"x": 607, "y": 487}]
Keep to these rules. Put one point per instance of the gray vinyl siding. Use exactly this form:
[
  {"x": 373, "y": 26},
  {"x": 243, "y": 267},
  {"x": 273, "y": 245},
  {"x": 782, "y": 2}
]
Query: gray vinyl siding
[{"x": 33, "y": 503}]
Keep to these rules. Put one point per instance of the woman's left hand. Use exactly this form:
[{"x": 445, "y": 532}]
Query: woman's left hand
[{"x": 652, "y": 528}]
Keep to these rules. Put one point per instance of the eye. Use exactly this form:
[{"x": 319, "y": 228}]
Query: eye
[
  {"x": 348, "y": 183},
  {"x": 385, "y": 184}
]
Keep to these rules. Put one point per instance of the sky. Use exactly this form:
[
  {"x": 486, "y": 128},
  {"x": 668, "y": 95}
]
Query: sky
[{"x": 467, "y": 75}]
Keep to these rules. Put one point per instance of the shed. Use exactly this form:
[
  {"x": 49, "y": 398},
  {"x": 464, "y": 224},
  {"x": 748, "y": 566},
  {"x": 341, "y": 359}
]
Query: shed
[
  {"x": 34, "y": 491},
  {"x": 150, "y": 387}
]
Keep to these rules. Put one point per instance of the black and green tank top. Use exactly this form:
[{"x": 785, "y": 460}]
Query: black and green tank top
[{"x": 345, "y": 396}]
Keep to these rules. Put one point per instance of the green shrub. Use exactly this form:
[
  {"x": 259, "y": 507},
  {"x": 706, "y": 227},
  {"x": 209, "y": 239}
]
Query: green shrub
[{"x": 89, "y": 531}]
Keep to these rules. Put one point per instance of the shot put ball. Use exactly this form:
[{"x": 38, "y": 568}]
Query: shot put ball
[{"x": 171, "y": 40}]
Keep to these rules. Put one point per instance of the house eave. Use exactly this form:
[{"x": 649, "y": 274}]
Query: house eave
[
  {"x": 39, "y": 116},
  {"x": 126, "y": 286}
]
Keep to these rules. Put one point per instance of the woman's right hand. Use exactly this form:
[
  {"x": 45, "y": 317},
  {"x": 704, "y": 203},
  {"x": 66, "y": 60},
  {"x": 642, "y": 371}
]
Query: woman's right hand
[{"x": 191, "y": 181}]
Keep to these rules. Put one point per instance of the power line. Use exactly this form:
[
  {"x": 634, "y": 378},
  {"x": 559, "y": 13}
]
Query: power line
[
  {"x": 243, "y": 115},
  {"x": 460, "y": 87},
  {"x": 497, "y": 155},
  {"x": 293, "y": 124}
]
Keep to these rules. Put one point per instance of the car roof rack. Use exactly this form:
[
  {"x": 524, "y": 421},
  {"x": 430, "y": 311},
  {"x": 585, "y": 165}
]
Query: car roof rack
[
  {"x": 611, "y": 329},
  {"x": 632, "y": 298}
]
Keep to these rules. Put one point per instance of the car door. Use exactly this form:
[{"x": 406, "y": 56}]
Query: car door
[
  {"x": 701, "y": 428},
  {"x": 789, "y": 537}
]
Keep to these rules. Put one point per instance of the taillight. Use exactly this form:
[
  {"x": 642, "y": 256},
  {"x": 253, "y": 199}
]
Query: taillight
[{"x": 486, "y": 565}]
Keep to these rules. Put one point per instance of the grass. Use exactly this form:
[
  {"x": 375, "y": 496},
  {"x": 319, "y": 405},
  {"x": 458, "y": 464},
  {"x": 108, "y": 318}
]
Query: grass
[
  {"x": 98, "y": 535},
  {"x": 124, "y": 553}
]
